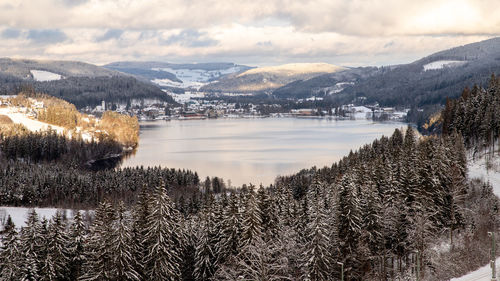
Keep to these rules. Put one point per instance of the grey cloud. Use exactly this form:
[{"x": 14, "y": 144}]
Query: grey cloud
[
  {"x": 46, "y": 36},
  {"x": 72, "y": 3},
  {"x": 110, "y": 34},
  {"x": 11, "y": 33},
  {"x": 264, "y": 44},
  {"x": 191, "y": 38}
]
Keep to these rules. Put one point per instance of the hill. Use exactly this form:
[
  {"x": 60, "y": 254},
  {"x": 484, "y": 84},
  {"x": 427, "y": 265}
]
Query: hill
[
  {"x": 268, "y": 78},
  {"x": 80, "y": 83},
  {"x": 425, "y": 82},
  {"x": 171, "y": 75}
]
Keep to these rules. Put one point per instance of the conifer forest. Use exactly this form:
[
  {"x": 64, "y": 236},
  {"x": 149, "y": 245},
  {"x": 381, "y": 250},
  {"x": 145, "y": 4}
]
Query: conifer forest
[{"x": 374, "y": 215}]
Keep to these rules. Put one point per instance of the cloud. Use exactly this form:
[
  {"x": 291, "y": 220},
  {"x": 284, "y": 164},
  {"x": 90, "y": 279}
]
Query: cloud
[
  {"x": 11, "y": 33},
  {"x": 251, "y": 32},
  {"x": 191, "y": 38},
  {"x": 110, "y": 34},
  {"x": 46, "y": 36}
]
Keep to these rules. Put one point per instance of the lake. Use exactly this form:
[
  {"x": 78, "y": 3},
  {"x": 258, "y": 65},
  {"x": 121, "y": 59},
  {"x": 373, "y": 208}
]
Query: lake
[{"x": 251, "y": 150}]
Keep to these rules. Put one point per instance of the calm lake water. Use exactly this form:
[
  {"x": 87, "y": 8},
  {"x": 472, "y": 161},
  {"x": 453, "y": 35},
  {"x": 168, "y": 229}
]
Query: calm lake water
[{"x": 252, "y": 150}]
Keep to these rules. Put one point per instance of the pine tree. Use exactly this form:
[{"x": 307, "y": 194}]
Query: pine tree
[
  {"x": 349, "y": 226},
  {"x": 317, "y": 253},
  {"x": 10, "y": 262},
  {"x": 162, "y": 239},
  {"x": 98, "y": 263},
  {"x": 252, "y": 220},
  {"x": 56, "y": 259},
  {"x": 123, "y": 261},
  {"x": 31, "y": 248},
  {"x": 76, "y": 243}
]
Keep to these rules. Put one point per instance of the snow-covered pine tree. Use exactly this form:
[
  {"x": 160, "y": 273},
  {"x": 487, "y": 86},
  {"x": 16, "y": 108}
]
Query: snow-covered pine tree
[
  {"x": 207, "y": 236},
  {"x": 76, "y": 243},
  {"x": 349, "y": 226},
  {"x": 267, "y": 207},
  {"x": 55, "y": 266},
  {"x": 31, "y": 248},
  {"x": 317, "y": 255},
  {"x": 98, "y": 252},
  {"x": 10, "y": 262},
  {"x": 139, "y": 229},
  {"x": 122, "y": 248},
  {"x": 231, "y": 229},
  {"x": 162, "y": 238},
  {"x": 251, "y": 221}
]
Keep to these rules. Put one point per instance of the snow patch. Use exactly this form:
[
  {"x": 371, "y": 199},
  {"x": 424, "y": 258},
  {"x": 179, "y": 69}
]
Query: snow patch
[
  {"x": 442, "y": 64},
  {"x": 43, "y": 76}
]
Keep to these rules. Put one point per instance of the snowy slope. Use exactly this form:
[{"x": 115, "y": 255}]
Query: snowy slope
[
  {"x": 193, "y": 78},
  {"x": 442, "y": 64},
  {"x": 294, "y": 69},
  {"x": 477, "y": 169},
  {"x": 482, "y": 274},
  {"x": 42, "y": 76},
  {"x": 30, "y": 124}
]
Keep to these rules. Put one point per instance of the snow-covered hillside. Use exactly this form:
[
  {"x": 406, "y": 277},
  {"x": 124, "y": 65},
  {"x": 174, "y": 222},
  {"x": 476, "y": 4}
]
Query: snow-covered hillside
[
  {"x": 193, "y": 78},
  {"x": 477, "y": 169},
  {"x": 294, "y": 69},
  {"x": 42, "y": 76},
  {"x": 443, "y": 63},
  {"x": 33, "y": 125}
]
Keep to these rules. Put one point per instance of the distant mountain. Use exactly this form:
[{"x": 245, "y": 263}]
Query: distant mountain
[
  {"x": 80, "y": 83},
  {"x": 171, "y": 75},
  {"x": 425, "y": 82},
  {"x": 269, "y": 78},
  {"x": 23, "y": 68}
]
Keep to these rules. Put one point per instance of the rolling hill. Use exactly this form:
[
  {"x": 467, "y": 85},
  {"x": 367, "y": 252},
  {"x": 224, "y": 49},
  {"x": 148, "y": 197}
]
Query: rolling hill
[
  {"x": 425, "y": 82},
  {"x": 268, "y": 78},
  {"x": 80, "y": 83},
  {"x": 170, "y": 75}
]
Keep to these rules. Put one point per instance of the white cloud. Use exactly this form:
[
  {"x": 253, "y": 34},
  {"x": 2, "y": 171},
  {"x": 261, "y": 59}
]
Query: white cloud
[{"x": 252, "y": 32}]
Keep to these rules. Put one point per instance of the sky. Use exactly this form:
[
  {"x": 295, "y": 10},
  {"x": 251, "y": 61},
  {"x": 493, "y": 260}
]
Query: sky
[{"x": 251, "y": 32}]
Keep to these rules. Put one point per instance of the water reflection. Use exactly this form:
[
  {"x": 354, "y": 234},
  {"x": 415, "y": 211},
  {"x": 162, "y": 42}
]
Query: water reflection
[{"x": 251, "y": 150}]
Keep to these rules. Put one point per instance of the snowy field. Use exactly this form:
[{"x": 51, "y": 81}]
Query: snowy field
[
  {"x": 30, "y": 124},
  {"x": 443, "y": 63},
  {"x": 193, "y": 78},
  {"x": 19, "y": 214},
  {"x": 477, "y": 169},
  {"x": 42, "y": 76}
]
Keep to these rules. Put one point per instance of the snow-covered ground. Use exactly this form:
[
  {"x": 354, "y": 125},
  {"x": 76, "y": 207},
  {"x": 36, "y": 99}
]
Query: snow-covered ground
[
  {"x": 30, "y": 124},
  {"x": 42, "y": 76},
  {"x": 482, "y": 274},
  {"x": 443, "y": 63},
  {"x": 193, "y": 78},
  {"x": 19, "y": 214},
  {"x": 477, "y": 169}
]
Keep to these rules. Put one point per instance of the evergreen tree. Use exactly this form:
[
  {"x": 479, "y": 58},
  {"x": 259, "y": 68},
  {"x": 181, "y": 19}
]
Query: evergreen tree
[
  {"x": 10, "y": 262},
  {"x": 162, "y": 239},
  {"x": 76, "y": 243},
  {"x": 123, "y": 261}
]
